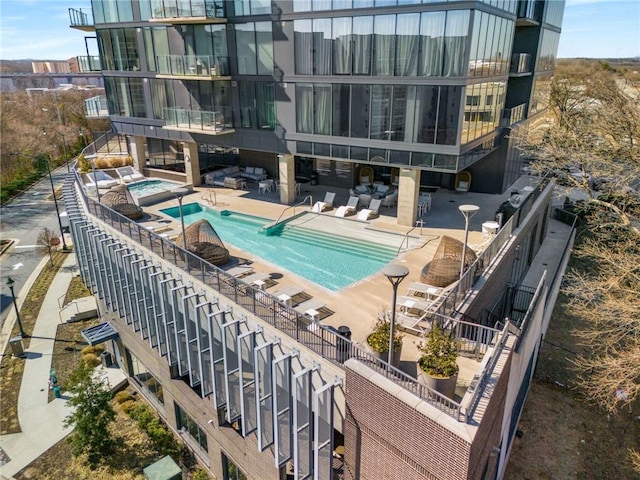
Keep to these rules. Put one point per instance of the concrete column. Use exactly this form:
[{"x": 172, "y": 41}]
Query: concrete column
[
  {"x": 136, "y": 147},
  {"x": 287, "y": 177},
  {"x": 408, "y": 191},
  {"x": 191, "y": 163}
]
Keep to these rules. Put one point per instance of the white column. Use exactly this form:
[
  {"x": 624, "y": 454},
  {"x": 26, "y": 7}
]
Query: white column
[
  {"x": 192, "y": 163},
  {"x": 136, "y": 147},
  {"x": 286, "y": 169},
  {"x": 408, "y": 191}
]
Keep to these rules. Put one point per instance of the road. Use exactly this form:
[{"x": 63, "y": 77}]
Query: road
[{"x": 22, "y": 220}]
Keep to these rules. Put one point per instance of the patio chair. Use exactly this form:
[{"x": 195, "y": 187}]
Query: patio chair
[
  {"x": 310, "y": 308},
  {"x": 129, "y": 174},
  {"x": 390, "y": 200},
  {"x": 463, "y": 181},
  {"x": 371, "y": 212},
  {"x": 240, "y": 270},
  {"x": 102, "y": 179},
  {"x": 349, "y": 208},
  {"x": 326, "y": 204},
  {"x": 366, "y": 175},
  {"x": 286, "y": 294}
]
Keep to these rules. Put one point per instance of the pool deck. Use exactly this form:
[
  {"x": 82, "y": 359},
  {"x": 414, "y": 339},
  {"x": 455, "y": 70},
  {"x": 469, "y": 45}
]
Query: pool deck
[{"x": 357, "y": 305}]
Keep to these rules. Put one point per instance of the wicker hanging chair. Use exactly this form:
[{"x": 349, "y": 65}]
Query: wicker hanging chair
[
  {"x": 203, "y": 241},
  {"x": 444, "y": 269},
  {"x": 119, "y": 198}
]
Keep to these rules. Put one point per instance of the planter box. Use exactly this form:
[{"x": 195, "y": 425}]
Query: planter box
[
  {"x": 445, "y": 386},
  {"x": 384, "y": 355}
]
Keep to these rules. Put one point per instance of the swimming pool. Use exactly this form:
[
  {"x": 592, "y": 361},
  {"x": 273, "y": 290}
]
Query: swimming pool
[
  {"x": 146, "y": 192},
  {"x": 324, "y": 258}
]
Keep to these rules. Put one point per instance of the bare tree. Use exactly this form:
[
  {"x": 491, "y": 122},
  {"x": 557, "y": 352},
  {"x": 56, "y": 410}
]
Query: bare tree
[
  {"x": 591, "y": 142},
  {"x": 47, "y": 243}
]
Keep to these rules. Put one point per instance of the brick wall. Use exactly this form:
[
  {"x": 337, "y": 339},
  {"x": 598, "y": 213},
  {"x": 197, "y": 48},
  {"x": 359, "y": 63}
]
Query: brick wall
[{"x": 386, "y": 438}]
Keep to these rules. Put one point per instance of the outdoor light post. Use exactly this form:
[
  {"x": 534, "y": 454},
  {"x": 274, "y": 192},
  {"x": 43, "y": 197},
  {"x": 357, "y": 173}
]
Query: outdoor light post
[
  {"x": 468, "y": 211},
  {"x": 395, "y": 274},
  {"x": 64, "y": 146},
  {"x": 180, "y": 193},
  {"x": 10, "y": 283}
]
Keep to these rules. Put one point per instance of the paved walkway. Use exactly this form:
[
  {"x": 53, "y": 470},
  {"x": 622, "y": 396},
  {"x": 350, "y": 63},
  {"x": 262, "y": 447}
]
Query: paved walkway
[{"x": 42, "y": 421}]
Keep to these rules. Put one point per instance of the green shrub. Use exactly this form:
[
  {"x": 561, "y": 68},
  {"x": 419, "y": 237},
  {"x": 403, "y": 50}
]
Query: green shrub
[
  {"x": 128, "y": 405},
  {"x": 200, "y": 474},
  {"x": 94, "y": 349},
  {"x": 439, "y": 354},
  {"x": 122, "y": 397},
  {"x": 379, "y": 339}
]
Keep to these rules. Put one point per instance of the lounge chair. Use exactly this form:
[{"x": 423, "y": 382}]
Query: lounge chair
[
  {"x": 256, "y": 279},
  {"x": 129, "y": 174},
  {"x": 310, "y": 308},
  {"x": 418, "y": 289},
  {"x": 326, "y": 204},
  {"x": 285, "y": 295},
  {"x": 103, "y": 180},
  {"x": 371, "y": 212},
  {"x": 349, "y": 208},
  {"x": 240, "y": 270}
]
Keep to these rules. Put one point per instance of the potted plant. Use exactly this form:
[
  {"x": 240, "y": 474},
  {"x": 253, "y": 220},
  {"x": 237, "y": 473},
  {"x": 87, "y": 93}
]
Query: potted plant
[
  {"x": 437, "y": 364},
  {"x": 378, "y": 341}
]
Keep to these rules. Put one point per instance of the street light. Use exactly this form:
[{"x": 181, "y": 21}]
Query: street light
[
  {"x": 180, "y": 193},
  {"x": 53, "y": 191},
  {"x": 468, "y": 211},
  {"x": 10, "y": 283},
  {"x": 395, "y": 274},
  {"x": 64, "y": 146}
]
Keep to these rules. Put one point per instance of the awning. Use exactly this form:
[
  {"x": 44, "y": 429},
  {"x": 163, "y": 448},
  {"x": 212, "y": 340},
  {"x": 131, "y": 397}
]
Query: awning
[{"x": 99, "y": 333}]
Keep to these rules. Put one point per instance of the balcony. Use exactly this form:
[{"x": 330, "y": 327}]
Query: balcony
[
  {"x": 184, "y": 12},
  {"x": 528, "y": 13},
  {"x": 197, "y": 67},
  {"x": 96, "y": 107},
  {"x": 80, "y": 20},
  {"x": 89, "y": 63},
  {"x": 514, "y": 115},
  {"x": 213, "y": 123},
  {"x": 520, "y": 65}
]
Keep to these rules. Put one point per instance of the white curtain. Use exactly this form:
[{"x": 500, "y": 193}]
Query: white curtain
[
  {"x": 455, "y": 42},
  {"x": 408, "y": 28},
  {"x": 432, "y": 41},
  {"x": 322, "y": 110},
  {"x": 304, "y": 107},
  {"x": 342, "y": 46},
  {"x": 303, "y": 47},
  {"x": 384, "y": 29},
  {"x": 362, "y": 31}
]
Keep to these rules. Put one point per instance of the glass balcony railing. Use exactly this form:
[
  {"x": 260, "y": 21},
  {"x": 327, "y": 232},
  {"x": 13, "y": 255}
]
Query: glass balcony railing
[
  {"x": 89, "y": 63},
  {"x": 168, "y": 9},
  {"x": 96, "y": 106},
  {"x": 514, "y": 115},
  {"x": 80, "y": 20},
  {"x": 520, "y": 63},
  {"x": 219, "y": 121},
  {"x": 193, "y": 65}
]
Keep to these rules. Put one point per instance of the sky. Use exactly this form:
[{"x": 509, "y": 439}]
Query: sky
[{"x": 39, "y": 29}]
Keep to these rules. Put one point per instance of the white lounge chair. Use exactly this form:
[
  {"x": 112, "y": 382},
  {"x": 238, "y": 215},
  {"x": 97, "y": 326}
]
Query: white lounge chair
[
  {"x": 349, "y": 208},
  {"x": 129, "y": 174},
  {"x": 286, "y": 294},
  {"x": 310, "y": 308},
  {"x": 240, "y": 270},
  {"x": 102, "y": 179},
  {"x": 371, "y": 212},
  {"x": 326, "y": 204}
]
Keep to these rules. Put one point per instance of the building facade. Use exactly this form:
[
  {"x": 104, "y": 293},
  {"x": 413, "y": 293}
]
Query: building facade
[
  {"x": 322, "y": 88},
  {"x": 318, "y": 89}
]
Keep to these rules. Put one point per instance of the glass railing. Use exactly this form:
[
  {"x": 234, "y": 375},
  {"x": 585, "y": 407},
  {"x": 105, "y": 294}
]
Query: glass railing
[
  {"x": 193, "y": 65},
  {"x": 77, "y": 18},
  {"x": 89, "y": 63},
  {"x": 96, "y": 106},
  {"x": 514, "y": 115},
  {"x": 217, "y": 121},
  {"x": 520, "y": 63},
  {"x": 185, "y": 9}
]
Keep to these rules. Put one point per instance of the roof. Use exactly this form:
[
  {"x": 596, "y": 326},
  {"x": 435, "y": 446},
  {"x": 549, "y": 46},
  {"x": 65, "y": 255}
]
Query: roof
[{"x": 99, "y": 333}]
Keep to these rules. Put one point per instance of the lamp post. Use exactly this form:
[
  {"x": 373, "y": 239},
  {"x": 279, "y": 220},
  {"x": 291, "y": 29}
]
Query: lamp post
[
  {"x": 180, "y": 193},
  {"x": 64, "y": 146},
  {"x": 395, "y": 274},
  {"x": 10, "y": 283},
  {"x": 95, "y": 180},
  {"x": 53, "y": 192},
  {"x": 468, "y": 211}
]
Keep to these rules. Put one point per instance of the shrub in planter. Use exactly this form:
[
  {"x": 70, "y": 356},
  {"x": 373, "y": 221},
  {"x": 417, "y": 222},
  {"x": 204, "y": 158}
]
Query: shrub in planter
[
  {"x": 378, "y": 340},
  {"x": 91, "y": 360},
  {"x": 438, "y": 361}
]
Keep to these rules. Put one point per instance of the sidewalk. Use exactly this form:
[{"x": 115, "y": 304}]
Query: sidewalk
[{"x": 42, "y": 422}]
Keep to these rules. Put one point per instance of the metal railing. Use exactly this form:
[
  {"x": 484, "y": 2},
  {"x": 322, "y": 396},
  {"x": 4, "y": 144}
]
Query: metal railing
[
  {"x": 189, "y": 8},
  {"x": 89, "y": 63},
  {"x": 308, "y": 197},
  {"x": 324, "y": 341},
  {"x": 96, "y": 106},
  {"x": 77, "y": 18},
  {"x": 406, "y": 237},
  {"x": 212, "y": 122},
  {"x": 520, "y": 63},
  {"x": 206, "y": 196},
  {"x": 193, "y": 65}
]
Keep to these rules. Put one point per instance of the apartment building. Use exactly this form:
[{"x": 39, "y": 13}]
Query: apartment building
[{"x": 315, "y": 91}]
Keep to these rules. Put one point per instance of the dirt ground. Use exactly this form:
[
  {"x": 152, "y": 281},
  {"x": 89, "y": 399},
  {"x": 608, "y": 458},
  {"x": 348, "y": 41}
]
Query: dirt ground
[{"x": 564, "y": 435}]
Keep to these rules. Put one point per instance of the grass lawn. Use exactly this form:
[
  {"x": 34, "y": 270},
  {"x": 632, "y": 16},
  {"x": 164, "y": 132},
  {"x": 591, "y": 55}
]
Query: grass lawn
[{"x": 11, "y": 368}]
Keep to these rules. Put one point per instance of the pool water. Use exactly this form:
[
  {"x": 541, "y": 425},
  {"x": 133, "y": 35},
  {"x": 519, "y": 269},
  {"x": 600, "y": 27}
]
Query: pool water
[
  {"x": 324, "y": 258},
  {"x": 145, "y": 188}
]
